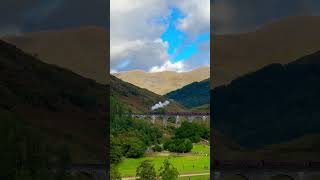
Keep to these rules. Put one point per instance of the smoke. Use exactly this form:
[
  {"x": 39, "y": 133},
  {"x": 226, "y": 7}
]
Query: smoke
[{"x": 160, "y": 105}]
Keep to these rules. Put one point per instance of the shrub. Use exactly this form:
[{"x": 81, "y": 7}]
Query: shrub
[
  {"x": 157, "y": 148},
  {"x": 168, "y": 172},
  {"x": 146, "y": 171}
]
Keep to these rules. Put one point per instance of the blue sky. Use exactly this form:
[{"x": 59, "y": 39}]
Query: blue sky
[
  {"x": 181, "y": 46},
  {"x": 166, "y": 36}
]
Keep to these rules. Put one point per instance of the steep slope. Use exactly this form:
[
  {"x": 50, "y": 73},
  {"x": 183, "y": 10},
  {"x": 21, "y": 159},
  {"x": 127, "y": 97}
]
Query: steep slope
[
  {"x": 83, "y": 51},
  {"x": 303, "y": 148},
  {"x": 163, "y": 82},
  {"x": 202, "y": 108},
  {"x": 137, "y": 99},
  {"x": 280, "y": 42},
  {"x": 193, "y": 95},
  {"x": 60, "y": 105},
  {"x": 270, "y": 106}
]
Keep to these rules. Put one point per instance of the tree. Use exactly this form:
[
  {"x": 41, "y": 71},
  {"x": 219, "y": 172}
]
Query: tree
[
  {"x": 146, "y": 171},
  {"x": 114, "y": 173},
  {"x": 136, "y": 149},
  {"x": 172, "y": 119},
  {"x": 157, "y": 148},
  {"x": 116, "y": 151},
  {"x": 188, "y": 145},
  {"x": 168, "y": 172},
  {"x": 193, "y": 131},
  {"x": 178, "y": 145}
]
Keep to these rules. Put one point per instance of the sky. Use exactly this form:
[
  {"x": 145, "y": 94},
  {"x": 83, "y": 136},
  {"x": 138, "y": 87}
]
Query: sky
[
  {"x": 159, "y": 20},
  {"x": 235, "y": 16},
  {"x": 159, "y": 35},
  {"x": 20, "y": 16}
]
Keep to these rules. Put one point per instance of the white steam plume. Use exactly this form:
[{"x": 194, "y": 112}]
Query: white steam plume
[{"x": 160, "y": 105}]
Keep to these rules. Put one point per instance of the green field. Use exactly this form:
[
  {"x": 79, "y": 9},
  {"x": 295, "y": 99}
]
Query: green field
[
  {"x": 186, "y": 164},
  {"x": 201, "y": 148}
]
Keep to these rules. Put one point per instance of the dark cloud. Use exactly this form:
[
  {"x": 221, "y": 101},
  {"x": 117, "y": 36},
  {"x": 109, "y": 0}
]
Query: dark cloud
[
  {"x": 230, "y": 16},
  {"x": 38, "y": 15}
]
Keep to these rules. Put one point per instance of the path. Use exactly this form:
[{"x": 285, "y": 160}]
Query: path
[{"x": 182, "y": 175}]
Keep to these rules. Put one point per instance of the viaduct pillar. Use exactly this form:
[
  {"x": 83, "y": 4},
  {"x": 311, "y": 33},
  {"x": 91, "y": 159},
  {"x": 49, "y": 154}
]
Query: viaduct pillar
[{"x": 177, "y": 121}]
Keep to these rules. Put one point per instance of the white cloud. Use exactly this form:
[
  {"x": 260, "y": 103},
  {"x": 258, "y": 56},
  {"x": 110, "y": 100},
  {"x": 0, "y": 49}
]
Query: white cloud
[
  {"x": 197, "y": 14},
  {"x": 138, "y": 55},
  {"x": 134, "y": 35},
  {"x": 169, "y": 66}
]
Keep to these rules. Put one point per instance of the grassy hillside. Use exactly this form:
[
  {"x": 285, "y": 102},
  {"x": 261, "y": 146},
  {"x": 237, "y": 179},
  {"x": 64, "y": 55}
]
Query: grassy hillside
[
  {"x": 302, "y": 148},
  {"x": 163, "y": 82},
  {"x": 273, "y": 105},
  {"x": 279, "y": 42},
  {"x": 202, "y": 108},
  {"x": 59, "y": 105},
  {"x": 138, "y": 99},
  {"x": 192, "y": 95},
  {"x": 83, "y": 50}
]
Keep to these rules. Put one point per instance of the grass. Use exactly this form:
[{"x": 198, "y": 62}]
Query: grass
[
  {"x": 201, "y": 148},
  {"x": 186, "y": 163}
]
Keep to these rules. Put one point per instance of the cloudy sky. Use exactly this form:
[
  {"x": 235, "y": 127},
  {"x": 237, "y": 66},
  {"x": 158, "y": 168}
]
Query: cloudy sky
[
  {"x": 159, "y": 35},
  {"x": 163, "y": 34},
  {"x": 233, "y": 16},
  {"x": 20, "y": 16}
]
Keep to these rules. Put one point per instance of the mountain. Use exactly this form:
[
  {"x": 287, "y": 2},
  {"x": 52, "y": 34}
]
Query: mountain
[
  {"x": 273, "y": 105},
  {"x": 303, "y": 148},
  {"x": 61, "y": 106},
  {"x": 163, "y": 82},
  {"x": 279, "y": 42},
  {"x": 202, "y": 108},
  {"x": 83, "y": 50},
  {"x": 193, "y": 95},
  {"x": 139, "y": 100}
]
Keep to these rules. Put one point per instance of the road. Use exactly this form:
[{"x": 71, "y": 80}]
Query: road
[{"x": 182, "y": 175}]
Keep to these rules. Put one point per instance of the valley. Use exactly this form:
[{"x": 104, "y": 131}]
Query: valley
[{"x": 175, "y": 129}]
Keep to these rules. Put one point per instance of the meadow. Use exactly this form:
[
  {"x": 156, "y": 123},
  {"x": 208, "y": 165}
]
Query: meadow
[{"x": 188, "y": 163}]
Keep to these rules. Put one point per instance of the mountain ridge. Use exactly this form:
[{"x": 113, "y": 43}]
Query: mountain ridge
[
  {"x": 163, "y": 82},
  {"x": 139, "y": 100},
  {"x": 82, "y": 50},
  {"x": 192, "y": 95},
  {"x": 281, "y": 41},
  {"x": 278, "y": 98}
]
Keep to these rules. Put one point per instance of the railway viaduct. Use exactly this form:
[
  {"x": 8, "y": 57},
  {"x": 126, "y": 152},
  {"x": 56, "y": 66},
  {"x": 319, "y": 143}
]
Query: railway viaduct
[{"x": 177, "y": 115}]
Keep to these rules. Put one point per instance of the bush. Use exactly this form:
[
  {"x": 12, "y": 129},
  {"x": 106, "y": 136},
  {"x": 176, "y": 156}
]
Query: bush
[
  {"x": 146, "y": 171},
  {"x": 168, "y": 172},
  {"x": 172, "y": 119},
  {"x": 157, "y": 148},
  {"x": 114, "y": 173},
  {"x": 134, "y": 148},
  {"x": 192, "y": 131},
  {"x": 178, "y": 145},
  {"x": 116, "y": 151}
]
